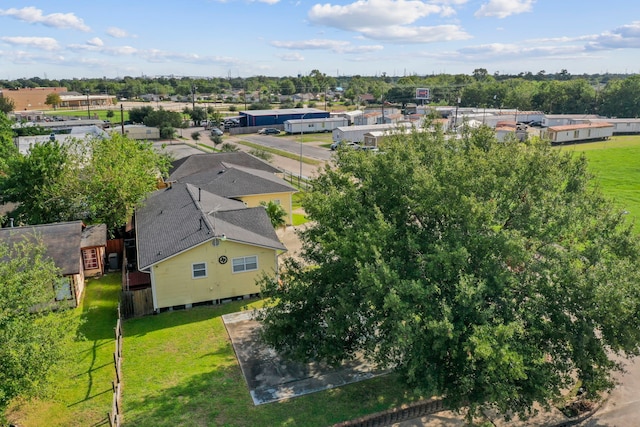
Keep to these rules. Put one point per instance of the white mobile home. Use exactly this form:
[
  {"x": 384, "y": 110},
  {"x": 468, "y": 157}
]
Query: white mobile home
[
  {"x": 578, "y": 133},
  {"x": 327, "y": 124},
  {"x": 140, "y": 132},
  {"x": 550, "y": 120},
  {"x": 356, "y": 133},
  {"x": 620, "y": 126},
  {"x": 349, "y": 115}
]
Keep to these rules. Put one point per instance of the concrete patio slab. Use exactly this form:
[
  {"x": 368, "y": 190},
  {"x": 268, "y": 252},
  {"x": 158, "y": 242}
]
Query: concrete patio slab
[{"x": 271, "y": 378}]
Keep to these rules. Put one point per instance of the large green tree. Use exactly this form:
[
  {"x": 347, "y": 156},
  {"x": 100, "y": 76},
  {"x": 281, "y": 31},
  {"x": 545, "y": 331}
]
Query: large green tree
[
  {"x": 53, "y": 99},
  {"x": 7, "y": 105},
  {"x": 44, "y": 183},
  {"x": 7, "y": 148},
  {"x": 492, "y": 274},
  {"x": 32, "y": 341},
  {"x": 96, "y": 180},
  {"x": 120, "y": 173}
]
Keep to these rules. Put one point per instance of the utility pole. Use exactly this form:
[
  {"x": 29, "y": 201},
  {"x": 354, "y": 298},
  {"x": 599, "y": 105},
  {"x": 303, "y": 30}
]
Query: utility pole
[
  {"x": 193, "y": 97},
  {"x": 88, "y": 107}
]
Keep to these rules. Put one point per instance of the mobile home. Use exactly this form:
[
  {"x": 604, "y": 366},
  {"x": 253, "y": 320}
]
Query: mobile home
[
  {"x": 578, "y": 132},
  {"x": 298, "y": 126}
]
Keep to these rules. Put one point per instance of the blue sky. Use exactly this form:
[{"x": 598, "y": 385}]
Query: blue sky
[{"x": 66, "y": 39}]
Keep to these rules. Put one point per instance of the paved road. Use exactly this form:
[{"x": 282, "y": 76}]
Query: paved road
[
  {"x": 622, "y": 408},
  {"x": 289, "y": 145}
]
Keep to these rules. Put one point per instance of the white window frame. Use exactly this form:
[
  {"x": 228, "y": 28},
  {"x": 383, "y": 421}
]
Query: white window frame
[
  {"x": 242, "y": 262},
  {"x": 203, "y": 268},
  {"x": 90, "y": 259}
]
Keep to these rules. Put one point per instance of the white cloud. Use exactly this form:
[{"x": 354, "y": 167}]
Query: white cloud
[
  {"x": 118, "y": 33},
  {"x": 310, "y": 44},
  {"x": 372, "y": 13},
  {"x": 338, "y": 46},
  {"x": 400, "y": 34},
  {"x": 390, "y": 20},
  {"x": 44, "y": 43},
  {"x": 33, "y": 15},
  {"x": 503, "y": 8},
  {"x": 291, "y": 57},
  {"x": 626, "y": 36},
  {"x": 96, "y": 41}
]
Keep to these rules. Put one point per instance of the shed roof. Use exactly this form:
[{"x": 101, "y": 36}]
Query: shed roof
[
  {"x": 94, "y": 236},
  {"x": 61, "y": 240}
]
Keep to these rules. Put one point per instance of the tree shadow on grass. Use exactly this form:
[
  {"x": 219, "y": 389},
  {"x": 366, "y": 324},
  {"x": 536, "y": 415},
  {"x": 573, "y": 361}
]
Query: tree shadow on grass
[
  {"x": 143, "y": 325},
  {"x": 99, "y": 309},
  {"x": 220, "y": 397}
]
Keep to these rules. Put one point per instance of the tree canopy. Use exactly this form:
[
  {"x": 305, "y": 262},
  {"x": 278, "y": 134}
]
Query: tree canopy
[
  {"x": 32, "y": 340},
  {"x": 98, "y": 180},
  {"x": 53, "y": 99},
  {"x": 487, "y": 273}
]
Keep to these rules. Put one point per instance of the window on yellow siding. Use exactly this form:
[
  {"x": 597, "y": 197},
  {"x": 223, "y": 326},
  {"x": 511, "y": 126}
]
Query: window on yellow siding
[
  {"x": 198, "y": 270},
  {"x": 246, "y": 263}
]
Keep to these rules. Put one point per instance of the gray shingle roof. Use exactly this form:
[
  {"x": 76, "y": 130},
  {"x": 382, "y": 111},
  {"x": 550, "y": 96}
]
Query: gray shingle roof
[
  {"x": 182, "y": 216},
  {"x": 61, "y": 240},
  {"x": 236, "y": 182},
  {"x": 94, "y": 235},
  {"x": 215, "y": 162}
]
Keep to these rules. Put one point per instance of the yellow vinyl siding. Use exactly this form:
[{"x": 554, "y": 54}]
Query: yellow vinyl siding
[
  {"x": 284, "y": 198},
  {"x": 174, "y": 284}
]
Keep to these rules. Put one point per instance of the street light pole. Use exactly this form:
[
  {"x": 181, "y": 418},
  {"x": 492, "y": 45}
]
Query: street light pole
[{"x": 301, "y": 137}]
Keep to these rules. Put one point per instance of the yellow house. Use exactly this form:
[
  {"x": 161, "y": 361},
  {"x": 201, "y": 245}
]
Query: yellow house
[
  {"x": 201, "y": 248},
  {"x": 239, "y": 176}
]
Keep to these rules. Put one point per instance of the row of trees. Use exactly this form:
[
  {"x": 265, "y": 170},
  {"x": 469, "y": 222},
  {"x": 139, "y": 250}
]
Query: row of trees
[
  {"x": 492, "y": 274},
  {"x": 610, "y": 95}
]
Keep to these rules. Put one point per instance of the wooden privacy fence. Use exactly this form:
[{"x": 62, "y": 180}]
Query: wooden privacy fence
[
  {"x": 406, "y": 412},
  {"x": 136, "y": 303},
  {"x": 115, "y": 415}
]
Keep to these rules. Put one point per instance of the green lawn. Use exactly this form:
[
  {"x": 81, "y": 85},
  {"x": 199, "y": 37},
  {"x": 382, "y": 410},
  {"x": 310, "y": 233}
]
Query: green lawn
[
  {"x": 616, "y": 166},
  {"x": 102, "y": 114},
  {"x": 81, "y": 393},
  {"x": 180, "y": 370}
]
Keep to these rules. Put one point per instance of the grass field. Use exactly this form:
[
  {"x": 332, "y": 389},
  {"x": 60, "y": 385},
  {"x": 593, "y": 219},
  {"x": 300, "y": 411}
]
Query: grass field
[
  {"x": 102, "y": 114},
  {"x": 81, "y": 393},
  {"x": 180, "y": 370},
  {"x": 616, "y": 166}
]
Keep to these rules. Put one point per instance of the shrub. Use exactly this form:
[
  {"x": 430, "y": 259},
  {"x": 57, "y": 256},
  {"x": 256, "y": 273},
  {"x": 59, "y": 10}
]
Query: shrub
[
  {"x": 228, "y": 148},
  {"x": 264, "y": 155}
]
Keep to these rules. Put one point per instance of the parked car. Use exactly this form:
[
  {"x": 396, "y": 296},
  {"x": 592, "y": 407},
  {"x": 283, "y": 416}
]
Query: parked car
[
  {"x": 216, "y": 132},
  {"x": 269, "y": 131},
  {"x": 337, "y": 144},
  {"x": 231, "y": 123},
  {"x": 368, "y": 148}
]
